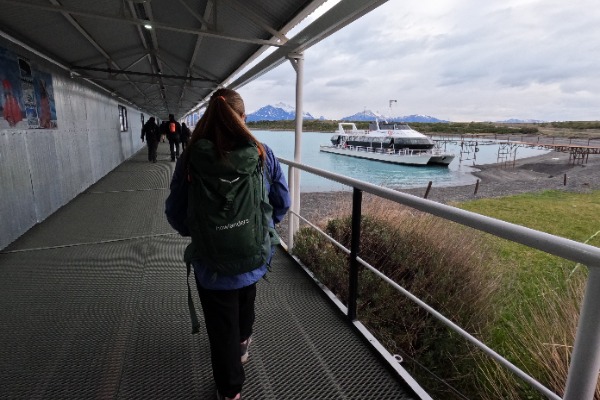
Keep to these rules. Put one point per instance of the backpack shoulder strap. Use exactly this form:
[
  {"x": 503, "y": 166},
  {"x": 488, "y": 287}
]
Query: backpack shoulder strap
[{"x": 192, "y": 308}]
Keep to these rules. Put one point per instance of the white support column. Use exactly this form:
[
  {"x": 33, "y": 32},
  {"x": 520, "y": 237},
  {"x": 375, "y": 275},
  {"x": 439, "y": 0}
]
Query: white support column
[
  {"x": 297, "y": 60},
  {"x": 585, "y": 358}
]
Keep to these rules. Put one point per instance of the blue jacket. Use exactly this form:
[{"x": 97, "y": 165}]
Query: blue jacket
[{"x": 176, "y": 211}]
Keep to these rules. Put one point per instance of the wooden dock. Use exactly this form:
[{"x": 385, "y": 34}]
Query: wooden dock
[{"x": 579, "y": 150}]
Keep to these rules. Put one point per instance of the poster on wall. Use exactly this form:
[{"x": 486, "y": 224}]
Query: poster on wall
[{"x": 26, "y": 94}]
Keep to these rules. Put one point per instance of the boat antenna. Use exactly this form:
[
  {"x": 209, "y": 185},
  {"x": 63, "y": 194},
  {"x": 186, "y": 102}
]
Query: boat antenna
[{"x": 392, "y": 101}]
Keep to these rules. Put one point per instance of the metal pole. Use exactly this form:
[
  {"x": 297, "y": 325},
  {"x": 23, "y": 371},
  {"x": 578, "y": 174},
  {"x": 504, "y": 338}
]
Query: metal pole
[
  {"x": 585, "y": 359},
  {"x": 428, "y": 189},
  {"x": 297, "y": 60},
  {"x": 290, "y": 242},
  {"x": 354, "y": 247}
]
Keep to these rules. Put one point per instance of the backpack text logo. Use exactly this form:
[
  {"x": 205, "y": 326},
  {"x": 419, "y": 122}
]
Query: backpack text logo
[{"x": 233, "y": 225}]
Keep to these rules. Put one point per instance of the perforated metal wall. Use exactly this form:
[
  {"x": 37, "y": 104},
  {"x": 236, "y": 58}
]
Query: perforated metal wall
[{"x": 43, "y": 169}]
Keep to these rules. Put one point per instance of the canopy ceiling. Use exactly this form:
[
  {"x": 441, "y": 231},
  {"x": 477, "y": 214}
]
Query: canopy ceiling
[{"x": 191, "y": 48}]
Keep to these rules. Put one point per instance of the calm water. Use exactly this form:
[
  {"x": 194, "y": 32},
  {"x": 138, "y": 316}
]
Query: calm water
[{"x": 379, "y": 173}]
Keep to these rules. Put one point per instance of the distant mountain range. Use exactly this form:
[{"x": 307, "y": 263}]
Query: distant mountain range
[
  {"x": 278, "y": 112},
  {"x": 369, "y": 115},
  {"x": 281, "y": 111}
]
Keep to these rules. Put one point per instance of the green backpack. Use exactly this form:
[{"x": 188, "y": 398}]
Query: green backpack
[{"x": 229, "y": 213}]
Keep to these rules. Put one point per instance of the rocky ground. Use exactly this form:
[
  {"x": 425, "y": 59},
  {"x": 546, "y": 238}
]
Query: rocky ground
[{"x": 535, "y": 174}]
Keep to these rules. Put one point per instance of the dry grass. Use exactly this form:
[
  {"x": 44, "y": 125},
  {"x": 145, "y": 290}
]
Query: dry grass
[
  {"x": 444, "y": 264},
  {"x": 470, "y": 278},
  {"x": 543, "y": 333}
]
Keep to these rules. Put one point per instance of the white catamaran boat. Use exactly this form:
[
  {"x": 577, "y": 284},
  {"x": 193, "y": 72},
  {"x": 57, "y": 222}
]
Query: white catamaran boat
[{"x": 389, "y": 142}]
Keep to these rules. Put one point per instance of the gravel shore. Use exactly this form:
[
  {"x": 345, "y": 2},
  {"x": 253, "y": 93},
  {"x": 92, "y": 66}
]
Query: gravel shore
[{"x": 535, "y": 174}]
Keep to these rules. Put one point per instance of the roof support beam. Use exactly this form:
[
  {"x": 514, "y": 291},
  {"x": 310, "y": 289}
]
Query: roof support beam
[
  {"x": 89, "y": 38},
  {"x": 208, "y": 13},
  {"x": 339, "y": 16},
  {"x": 144, "y": 11},
  {"x": 125, "y": 72},
  {"x": 139, "y": 22},
  {"x": 203, "y": 21},
  {"x": 256, "y": 19}
]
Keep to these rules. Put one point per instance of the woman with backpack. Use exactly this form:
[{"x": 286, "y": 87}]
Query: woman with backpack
[{"x": 226, "y": 185}]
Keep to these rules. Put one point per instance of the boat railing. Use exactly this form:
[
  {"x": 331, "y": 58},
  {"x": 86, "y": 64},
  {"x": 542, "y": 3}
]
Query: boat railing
[
  {"x": 585, "y": 358},
  {"x": 390, "y": 151},
  {"x": 380, "y": 150}
]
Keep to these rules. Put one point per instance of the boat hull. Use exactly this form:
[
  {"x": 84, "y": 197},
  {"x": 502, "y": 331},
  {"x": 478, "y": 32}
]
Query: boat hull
[
  {"x": 441, "y": 159},
  {"x": 408, "y": 158}
]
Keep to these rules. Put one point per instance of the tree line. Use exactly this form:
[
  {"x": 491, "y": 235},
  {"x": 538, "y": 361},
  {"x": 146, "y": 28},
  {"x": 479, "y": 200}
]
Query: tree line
[{"x": 456, "y": 128}]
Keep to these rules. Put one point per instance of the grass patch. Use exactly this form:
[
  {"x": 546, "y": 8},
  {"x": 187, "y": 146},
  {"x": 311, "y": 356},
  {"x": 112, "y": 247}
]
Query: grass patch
[
  {"x": 541, "y": 294},
  {"x": 522, "y": 302}
]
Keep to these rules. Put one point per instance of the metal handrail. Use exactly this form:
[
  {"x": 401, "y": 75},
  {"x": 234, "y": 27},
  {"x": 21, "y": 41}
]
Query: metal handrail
[{"x": 585, "y": 360}]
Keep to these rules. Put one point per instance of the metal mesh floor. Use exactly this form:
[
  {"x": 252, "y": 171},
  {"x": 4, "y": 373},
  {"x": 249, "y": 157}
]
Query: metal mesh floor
[{"x": 94, "y": 305}]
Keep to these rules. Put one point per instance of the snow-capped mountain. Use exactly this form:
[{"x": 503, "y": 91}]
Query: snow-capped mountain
[
  {"x": 277, "y": 112},
  {"x": 369, "y": 115},
  {"x": 282, "y": 111},
  {"x": 366, "y": 115},
  {"x": 418, "y": 118}
]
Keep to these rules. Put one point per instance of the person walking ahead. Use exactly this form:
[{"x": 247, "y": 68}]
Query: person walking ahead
[
  {"x": 152, "y": 135},
  {"x": 173, "y": 134},
  {"x": 223, "y": 155},
  {"x": 185, "y": 136}
]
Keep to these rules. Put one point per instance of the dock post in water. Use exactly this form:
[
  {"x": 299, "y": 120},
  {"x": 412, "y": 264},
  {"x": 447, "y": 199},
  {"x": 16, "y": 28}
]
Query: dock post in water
[{"x": 428, "y": 189}]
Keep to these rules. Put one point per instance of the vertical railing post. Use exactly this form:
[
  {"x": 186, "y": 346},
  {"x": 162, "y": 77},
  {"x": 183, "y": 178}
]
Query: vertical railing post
[
  {"x": 585, "y": 358},
  {"x": 291, "y": 218},
  {"x": 297, "y": 61},
  {"x": 354, "y": 247}
]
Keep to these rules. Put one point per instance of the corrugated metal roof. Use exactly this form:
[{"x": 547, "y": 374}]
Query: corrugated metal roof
[{"x": 194, "y": 46}]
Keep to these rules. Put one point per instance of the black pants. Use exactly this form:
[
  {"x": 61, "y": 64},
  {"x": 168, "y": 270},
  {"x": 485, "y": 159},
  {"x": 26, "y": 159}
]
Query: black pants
[
  {"x": 229, "y": 317},
  {"x": 152, "y": 147},
  {"x": 174, "y": 146}
]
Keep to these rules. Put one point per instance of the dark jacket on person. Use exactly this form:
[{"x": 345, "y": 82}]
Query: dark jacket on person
[
  {"x": 150, "y": 131},
  {"x": 164, "y": 127},
  {"x": 185, "y": 133},
  {"x": 173, "y": 136},
  {"x": 176, "y": 211}
]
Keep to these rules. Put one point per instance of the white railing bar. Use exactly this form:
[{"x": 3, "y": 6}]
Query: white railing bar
[
  {"x": 537, "y": 385},
  {"x": 565, "y": 248},
  {"x": 332, "y": 240},
  {"x": 585, "y": 360},
  {"x": 513, "y": 368}
]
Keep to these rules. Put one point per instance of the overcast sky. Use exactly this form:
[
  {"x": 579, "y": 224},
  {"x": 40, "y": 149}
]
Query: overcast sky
[{"x": 457, "y": 60}]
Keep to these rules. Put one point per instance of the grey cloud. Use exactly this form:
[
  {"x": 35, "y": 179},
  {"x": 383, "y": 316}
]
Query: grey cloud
[
  {"x": 347, "y": 82},
  {"x": 475, "y": 61}
]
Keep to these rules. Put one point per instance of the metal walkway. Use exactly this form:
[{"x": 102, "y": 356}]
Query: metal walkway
[{"x": 94, "y": 305}]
